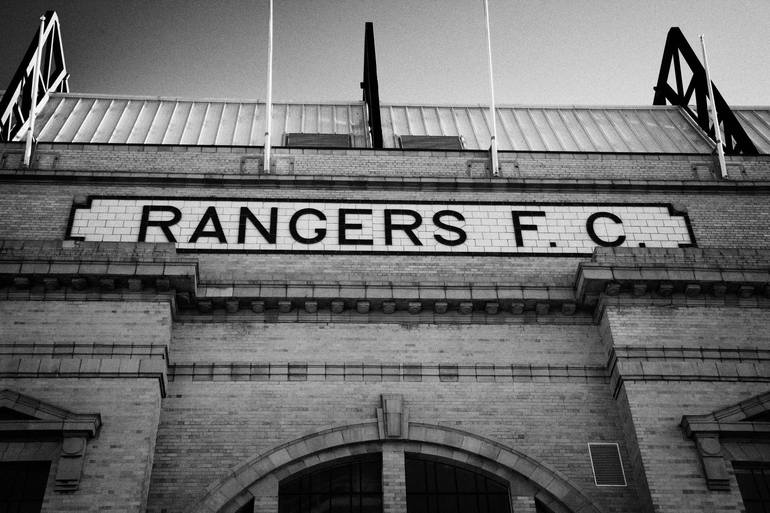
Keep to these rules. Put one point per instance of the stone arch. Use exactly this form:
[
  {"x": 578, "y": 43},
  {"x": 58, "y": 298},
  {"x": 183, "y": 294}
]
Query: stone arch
[{"x": 234, "y": 490}]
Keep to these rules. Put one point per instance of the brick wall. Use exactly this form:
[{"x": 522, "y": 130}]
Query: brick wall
[
  {"x": 84, "y": 323},
  {"x": 658, "y": 389},
  {"x": 718, "y": 220},
  {"x": 363, "y": 162},
  {"x": 209, "y": 427}
]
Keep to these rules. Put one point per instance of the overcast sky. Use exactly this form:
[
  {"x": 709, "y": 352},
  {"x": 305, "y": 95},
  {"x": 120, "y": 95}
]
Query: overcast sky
[{"x": 428, "y": 51}]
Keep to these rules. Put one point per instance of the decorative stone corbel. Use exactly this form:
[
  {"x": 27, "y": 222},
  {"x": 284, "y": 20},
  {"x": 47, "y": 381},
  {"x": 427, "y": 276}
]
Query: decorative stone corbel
[
  {"x": 70, "y": 466},
  {"x": 392, "y": 417},
  {"x": 714, "y": 464}
]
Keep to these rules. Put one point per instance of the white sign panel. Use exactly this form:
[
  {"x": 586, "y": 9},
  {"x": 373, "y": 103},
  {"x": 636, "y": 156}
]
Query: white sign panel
[{"x": 235, "y": 225}]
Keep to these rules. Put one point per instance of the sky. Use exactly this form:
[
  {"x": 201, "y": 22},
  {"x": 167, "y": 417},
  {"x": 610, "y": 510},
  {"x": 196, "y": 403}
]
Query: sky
[{"x": 545, "y": 52}]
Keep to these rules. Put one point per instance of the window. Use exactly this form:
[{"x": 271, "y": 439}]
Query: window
[
  {"x": 754, "y": 484},
  {"x": 431, "y": 142},
  {"x": 297, "y": 140},
  {"x": 438, "y": 487},
  {"x": 22, "y": 486},
  {"x": 351, "y": 486}
]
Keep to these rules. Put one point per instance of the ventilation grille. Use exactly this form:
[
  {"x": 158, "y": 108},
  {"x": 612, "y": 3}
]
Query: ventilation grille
[
  {"x": 431, "y": 142},
  {"x": 606, "y": 464},
  {"x": 318, "y": 140}
]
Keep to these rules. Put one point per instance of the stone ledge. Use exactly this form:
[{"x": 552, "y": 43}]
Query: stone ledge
[
  {"x": 81, "y": 368},
  {"x": 693, "y": 274}
]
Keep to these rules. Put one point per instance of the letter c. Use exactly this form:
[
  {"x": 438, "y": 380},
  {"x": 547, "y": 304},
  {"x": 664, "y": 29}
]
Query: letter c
[{"x": 592, "y": 233}]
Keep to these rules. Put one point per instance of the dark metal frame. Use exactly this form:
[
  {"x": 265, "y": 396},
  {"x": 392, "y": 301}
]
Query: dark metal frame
[
  {"x": 371, "y": 87},
  {"x": 16, "y": 104},
  {"x": 736, "y": 141}
]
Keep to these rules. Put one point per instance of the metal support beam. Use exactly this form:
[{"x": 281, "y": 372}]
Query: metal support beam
[
  {"x": 371, "y": 87},
  {"x": 736, "y": 141},
  {"x": 16, "y": 105}
]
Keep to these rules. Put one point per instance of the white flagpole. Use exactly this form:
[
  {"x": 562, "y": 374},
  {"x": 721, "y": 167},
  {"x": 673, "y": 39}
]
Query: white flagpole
[
  {"x": 492, "y": 114},
  {"x": 269, "y": 103},
  {"x": 35, "y": 80},
  {"x": 717, "y": 131}
]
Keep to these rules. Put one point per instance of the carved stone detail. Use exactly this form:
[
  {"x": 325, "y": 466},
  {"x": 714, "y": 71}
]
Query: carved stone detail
[
  {"x": 392, "y": 417},
  {"x": 714, "y": 464}
]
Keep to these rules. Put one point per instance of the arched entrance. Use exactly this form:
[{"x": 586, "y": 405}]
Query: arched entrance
[{"x": 258, "y": 480}]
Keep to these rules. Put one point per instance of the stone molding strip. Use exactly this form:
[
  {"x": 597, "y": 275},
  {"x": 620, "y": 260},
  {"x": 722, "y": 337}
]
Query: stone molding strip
[
  {"x": 444, "y": 372},
  {"x": 73, "y": 350},
  {"x": 751, "y": 354},
  {"x": 743, "y": 366},
  {"x": 84, "y": 368}
]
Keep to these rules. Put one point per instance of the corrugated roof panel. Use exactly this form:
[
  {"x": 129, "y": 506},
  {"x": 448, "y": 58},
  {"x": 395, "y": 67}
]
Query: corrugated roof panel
[
  {"x": 109, "y": 122},
  {"x": 670, "y": 129},
  {"x": 127, "y": 122},
  {"x": 756, "y": 122},
  {"x": 622, "y": 132},
  {"x": 212, "y": 124},
  {"x": 576, "y": 132},
  {"x": 228, "y": 116},
  {"x": 446, "y": 121},
  {"x": 243, "y": 124},
  {"x": 479, "y": 126},
  {"x": 160, "y": 123},
  {"x": 51, "y": 118},
  {"x": 143, "y": 122},
  {"x": 77, "y": 117},
  {"x": 90, "y": 120},
  {"x": 645, "y": 139}
]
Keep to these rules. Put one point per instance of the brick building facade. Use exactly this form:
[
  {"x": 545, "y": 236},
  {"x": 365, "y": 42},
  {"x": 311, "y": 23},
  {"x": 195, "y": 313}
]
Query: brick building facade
[{"x": 587, "y": 332}]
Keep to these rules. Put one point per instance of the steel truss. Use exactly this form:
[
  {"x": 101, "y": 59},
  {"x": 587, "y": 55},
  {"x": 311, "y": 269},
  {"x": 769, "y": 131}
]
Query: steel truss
[
  {"x": 736, "y": 141},
  {"x": 16, "y": 103}
]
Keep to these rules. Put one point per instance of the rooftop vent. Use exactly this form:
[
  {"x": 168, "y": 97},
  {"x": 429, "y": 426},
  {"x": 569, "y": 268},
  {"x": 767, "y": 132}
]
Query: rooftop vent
[
  {"x": 606, "y": 464},
  {"x": 431, "y": 142},
  {"x": 297, "y": 140}
]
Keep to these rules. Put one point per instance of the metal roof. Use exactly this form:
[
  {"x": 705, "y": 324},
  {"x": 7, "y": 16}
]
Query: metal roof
[
  {"x": 756, "y": 122},
  {"x": 130, "y": 120},
  {"x": 79, "y": 118},
  {"x": 566, "y": 128}
]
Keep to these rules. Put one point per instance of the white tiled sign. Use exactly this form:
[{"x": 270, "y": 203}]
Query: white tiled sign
[{"x": 381, "y": 227}]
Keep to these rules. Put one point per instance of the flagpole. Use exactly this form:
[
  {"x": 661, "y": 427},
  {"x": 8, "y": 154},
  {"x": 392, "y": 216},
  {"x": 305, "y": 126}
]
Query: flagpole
[
  {"x": 35, "y": 80},
  {"x": 492, "y": 114},
  {"x": 269, "y": 103},
  {"x": 717, "y": 131}
]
